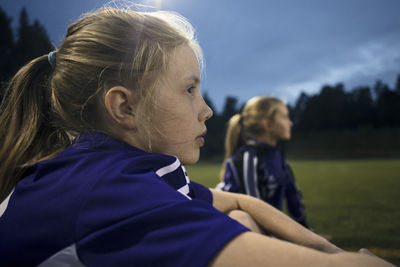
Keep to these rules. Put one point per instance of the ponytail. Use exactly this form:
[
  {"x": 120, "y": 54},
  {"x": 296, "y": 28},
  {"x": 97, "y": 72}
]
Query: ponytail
[
  {"x": 27, "y": 133},
  {"x": 233, "y": 139},
  {"x": 61, "y": 95}
]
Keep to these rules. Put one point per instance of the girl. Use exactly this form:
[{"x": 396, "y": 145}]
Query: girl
[
  {"x": 92, "y": 140},
  {"x": 254, "y": 164}
]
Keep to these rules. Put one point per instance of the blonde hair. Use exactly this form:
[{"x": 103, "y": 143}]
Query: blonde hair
[
  {"x": 43, "y": 106},
  {"x": 247, "y": 124}
]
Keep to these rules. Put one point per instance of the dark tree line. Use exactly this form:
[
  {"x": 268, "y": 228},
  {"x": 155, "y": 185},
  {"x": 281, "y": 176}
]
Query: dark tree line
[
  {"x": 31, "y": 41},
  {"x": 335, "y": 108},
  {"x": 332, "y": 109},
  {"x": 214, "y": 146}
]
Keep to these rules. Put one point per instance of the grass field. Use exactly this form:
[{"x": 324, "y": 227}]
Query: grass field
[{"x": 356, "y": 202}]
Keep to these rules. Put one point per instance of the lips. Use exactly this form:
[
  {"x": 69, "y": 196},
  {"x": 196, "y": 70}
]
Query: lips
[{"x": 200, "y": 139}]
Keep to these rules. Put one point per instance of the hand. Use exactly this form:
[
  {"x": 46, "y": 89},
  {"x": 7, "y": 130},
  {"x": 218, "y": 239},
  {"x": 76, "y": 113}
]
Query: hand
[{"x": 366, "y": 251}]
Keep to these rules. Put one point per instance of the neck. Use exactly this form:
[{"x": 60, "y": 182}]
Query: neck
[{"x": 270, "y": 140}]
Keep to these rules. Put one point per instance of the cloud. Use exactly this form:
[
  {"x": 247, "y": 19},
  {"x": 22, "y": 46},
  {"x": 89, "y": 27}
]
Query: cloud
[{"x": 365, "y": 63}]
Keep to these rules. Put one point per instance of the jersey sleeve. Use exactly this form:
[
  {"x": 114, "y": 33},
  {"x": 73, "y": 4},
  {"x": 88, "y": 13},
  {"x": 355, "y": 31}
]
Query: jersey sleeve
[
  {"x": 294, "y": 199},
  {"x": 250, "y": 174},
  {"x": 230, "y": 182},
  {"x": 201, "y": 192},
  {"x": 241, "y": 174},
  {"x": 139, "y": 220}
]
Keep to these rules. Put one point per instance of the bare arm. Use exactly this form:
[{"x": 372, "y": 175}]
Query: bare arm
[
  {"x": 252, "y": 249},
  {"x": 307, "y": 249},
  {"x": 271, "y": 220}
]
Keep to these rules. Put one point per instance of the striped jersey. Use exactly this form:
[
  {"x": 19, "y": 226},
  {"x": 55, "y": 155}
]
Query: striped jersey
[
  {"x": 102, "y": 202},
  {"x": 261, "y": 171}
]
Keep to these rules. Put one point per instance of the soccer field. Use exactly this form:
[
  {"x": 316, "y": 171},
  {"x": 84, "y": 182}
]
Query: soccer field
[{"x": 356, "y": 202}]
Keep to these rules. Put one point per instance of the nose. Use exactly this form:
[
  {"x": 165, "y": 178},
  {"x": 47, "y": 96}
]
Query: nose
[
  {"x": 206, "y": 112},
  {"x": 209, "y": 112}
]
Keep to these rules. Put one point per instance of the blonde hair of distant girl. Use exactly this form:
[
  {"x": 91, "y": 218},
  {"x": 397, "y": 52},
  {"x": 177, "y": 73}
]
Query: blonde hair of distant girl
[
  {"x": 44, "y": 106},
  {"x": 247, "y": 124}
]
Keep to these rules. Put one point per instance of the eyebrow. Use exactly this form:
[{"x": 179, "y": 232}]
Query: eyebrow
[{"x": 193, "y": 78}]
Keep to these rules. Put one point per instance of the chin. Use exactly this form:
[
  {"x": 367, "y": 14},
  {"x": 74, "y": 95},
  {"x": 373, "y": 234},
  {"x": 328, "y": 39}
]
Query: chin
[{"x": 190, "y": 160}]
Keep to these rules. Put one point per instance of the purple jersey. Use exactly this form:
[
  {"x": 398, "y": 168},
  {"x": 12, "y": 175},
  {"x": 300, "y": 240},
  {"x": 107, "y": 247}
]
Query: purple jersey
[
  {"x": 261, "y": 171},
  {"x": 102, "y": 202}
]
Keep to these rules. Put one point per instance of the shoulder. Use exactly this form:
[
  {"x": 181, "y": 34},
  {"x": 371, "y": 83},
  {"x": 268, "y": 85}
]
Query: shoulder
[
  {"x": 102, "y": 153},
  {"x": 244, "y": 150},
  {"x": 81, "y": 173}
]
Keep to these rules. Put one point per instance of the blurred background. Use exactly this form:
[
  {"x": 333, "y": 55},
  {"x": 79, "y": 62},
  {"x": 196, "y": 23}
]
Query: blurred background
[{"x": 336, "y": 64}]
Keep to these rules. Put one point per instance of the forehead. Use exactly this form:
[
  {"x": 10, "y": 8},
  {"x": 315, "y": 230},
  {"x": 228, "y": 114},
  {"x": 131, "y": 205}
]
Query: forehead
[{"x": 184, "y": 64}]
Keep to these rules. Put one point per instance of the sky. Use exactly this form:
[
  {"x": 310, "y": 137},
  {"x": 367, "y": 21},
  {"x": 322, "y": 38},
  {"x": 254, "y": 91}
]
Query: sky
[{"x": 266, "y": 47}]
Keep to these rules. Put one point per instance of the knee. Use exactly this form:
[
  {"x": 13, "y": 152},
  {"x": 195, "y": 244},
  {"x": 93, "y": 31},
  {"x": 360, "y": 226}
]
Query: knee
[
  {"x": 240, "y": 216},
  {"x": 245, "y": 219}
]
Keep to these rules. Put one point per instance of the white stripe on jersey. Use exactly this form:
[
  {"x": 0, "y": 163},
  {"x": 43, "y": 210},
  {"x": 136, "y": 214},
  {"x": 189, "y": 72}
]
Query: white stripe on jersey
[
  {"x": 184, "y": 190},
  {"x": 245, "y": 171},
  {"x": 167, "y": 169},
  {"x": 187, "y": 178},
  {"x": 246, "y": 166},
  {"x": 66, "y": 257},
  {"x": 4, "y": 204},
  {"x": 256, "y": 177}
]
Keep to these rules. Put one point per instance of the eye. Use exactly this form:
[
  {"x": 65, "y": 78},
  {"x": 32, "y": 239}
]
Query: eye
[{"x": 190, "y": 90}]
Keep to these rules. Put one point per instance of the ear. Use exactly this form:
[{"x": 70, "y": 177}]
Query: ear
[
  {"x": 266, "y": 124},
  {"x": 119, "y": 102}
]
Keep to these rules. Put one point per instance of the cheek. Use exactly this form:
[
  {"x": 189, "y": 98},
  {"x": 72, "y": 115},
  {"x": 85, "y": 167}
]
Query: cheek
[
  {"x": 283, "y": 129},
  {"x": 287, "y": 129},
  {"x": 175, "y": 120},
  {"x": 173, "y": 130}
]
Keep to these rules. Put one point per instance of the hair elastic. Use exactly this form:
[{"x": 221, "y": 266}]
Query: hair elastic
[{"x": 51, "y": 57}]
